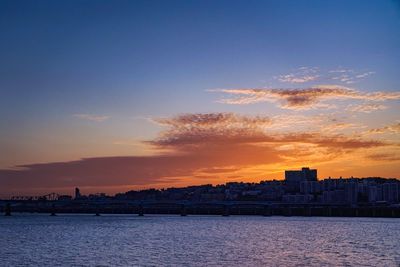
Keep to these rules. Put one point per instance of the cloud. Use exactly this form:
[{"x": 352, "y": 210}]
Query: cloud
[
  {"x": 210, "y": 125},
  {"x": 340, "y": 126},
  {"x": 349, "y": 76},
  {"x": 297, "y": 122},
  {"x": 366, "y": 107},
  {"x": 91, "y": 117},
  {"x": 384, "y": 157},
  {"x": 185, "y": 131},
  {"x": 216, "y": 170},
  {"x": 365, "y": 74},
  {"x": 197, "y": 148},
  {"x": 325, "y": 123},
  {"x": 393, "y": 128},
  {"x": 145, "y": 171},
  {"x": 302, "y": 75},
  {"x": 305, "y": 98},
  {"x": 291, "y": 78},
  {"x": 341, "y": 70},
  {"x": 309, "y": 74},
  {"x": 213, "y": 120}
]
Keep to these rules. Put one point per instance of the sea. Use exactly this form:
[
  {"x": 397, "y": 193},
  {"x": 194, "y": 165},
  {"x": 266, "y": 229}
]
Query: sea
[{"x": 161, "y": 240}]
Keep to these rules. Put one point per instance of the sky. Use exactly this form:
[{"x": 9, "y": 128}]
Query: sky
[{"x": 111, "y": 96}]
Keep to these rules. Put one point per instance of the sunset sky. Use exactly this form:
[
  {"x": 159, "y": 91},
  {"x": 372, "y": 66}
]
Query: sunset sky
[{"x": 111, "y": 96}]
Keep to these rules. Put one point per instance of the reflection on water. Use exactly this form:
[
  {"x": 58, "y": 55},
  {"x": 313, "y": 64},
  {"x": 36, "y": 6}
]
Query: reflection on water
[{"x": 112, "y": 240}]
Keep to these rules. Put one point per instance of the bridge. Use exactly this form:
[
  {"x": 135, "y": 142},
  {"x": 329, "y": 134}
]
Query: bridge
[
  {"x": 50, "y": 197},
  {"x": 184, "y": 208}
]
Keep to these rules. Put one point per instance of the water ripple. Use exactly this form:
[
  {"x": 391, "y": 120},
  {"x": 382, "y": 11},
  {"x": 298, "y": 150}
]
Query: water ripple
[{"x": 122, "y": 240}]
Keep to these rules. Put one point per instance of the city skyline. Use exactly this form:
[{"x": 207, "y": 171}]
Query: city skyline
[
  {"x": 300, "y": 188},
  {"x": 290, "y": 177},
  {"x": 141, "y": 94}
]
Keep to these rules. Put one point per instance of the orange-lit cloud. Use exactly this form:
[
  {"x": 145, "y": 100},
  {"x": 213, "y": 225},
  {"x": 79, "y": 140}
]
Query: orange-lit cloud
[
  {"x": 198, "y": 148},
  {"x": 393, "y": 128},
  {"x": 306, "y": 98},
  {"x": 384, "y": 157},
  {"x": 366, "y": 107}
]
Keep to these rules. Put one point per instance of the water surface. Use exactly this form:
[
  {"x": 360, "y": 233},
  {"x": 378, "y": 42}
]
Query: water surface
[{"x": 129, "y": 240}]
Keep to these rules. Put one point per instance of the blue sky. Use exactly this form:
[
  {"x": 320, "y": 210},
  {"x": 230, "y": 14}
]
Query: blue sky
[
  {"x": 84, "y": 56},
  {"x": 132, "y": 60}
]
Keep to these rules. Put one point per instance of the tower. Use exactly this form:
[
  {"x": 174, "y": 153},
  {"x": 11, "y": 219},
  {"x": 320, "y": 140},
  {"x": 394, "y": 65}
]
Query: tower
[{"x": 77, "y": 193}]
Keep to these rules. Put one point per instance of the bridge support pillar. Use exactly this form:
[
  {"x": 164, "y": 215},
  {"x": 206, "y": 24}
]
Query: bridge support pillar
[
  {"x": 307, "y": 211},
  {"x": 226, "y": 211},
  {"x": 328, "y": 211},
  {"x": 8, "y": 210},
  {"x": 141, "y": 211},
  {"x": 97, "y": 212},
  {"x": 183, "y": 210},
  {"x": 266, "y": 211},
  {"x": 287, "y": 211},
  {"x": 53, "y": 210}
]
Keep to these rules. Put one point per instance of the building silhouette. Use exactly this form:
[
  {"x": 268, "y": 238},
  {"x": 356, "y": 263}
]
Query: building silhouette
[
  {"x": 294, "y": 178},
  {"x": 77, "y": 193}
]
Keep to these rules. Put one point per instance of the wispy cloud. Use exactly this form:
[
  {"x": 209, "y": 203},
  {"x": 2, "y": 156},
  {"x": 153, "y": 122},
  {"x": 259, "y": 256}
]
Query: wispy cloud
[
  {"x": 301, "y": 75},
  {"x": 309, "y": 74},
  {"x": 366, "y": 107},
  {"x": 384, "y": 157},
  {"x": 297, "y": 122},
  {"x": 349, "y": 76},
  {"x": 365, "y": 74},
  {"x": 341, "y": 70},
  {"x": 392, "y": 128},
  {"x": 341, "y": 126},
  {"x": 305, "y": 98},
  {"x": 91, "y": 117}
]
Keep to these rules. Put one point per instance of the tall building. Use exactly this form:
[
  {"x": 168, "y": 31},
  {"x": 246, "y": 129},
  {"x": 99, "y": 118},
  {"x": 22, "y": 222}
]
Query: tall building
[
  {"x": 351, "y": 191},
  {"x": 372, "y": 194},
  {"x": 77, "y": 193},
  {"x": 293, "y": 179},
  {"x": 305, "y": 174},
  {"x": 390, "y": 192},
  {"x": 309, "y": 187}
]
